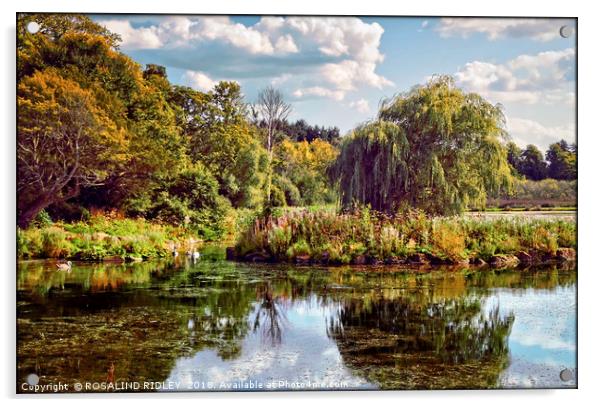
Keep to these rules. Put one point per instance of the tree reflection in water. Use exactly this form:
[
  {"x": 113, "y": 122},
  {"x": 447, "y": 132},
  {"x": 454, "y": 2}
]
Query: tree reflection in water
[
  {"x": 404, "y": 343},
  {"x": 398, "y": 329},
  {"x": 270, "y": 315}
]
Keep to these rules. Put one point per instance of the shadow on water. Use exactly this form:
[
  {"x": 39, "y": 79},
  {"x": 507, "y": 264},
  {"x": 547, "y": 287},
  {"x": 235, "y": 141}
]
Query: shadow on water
[{"x": 390, "y": 328}]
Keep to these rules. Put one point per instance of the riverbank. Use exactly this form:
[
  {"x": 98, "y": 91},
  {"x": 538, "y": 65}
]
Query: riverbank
[
  {"x": 369, "y": 238},
  {"x": 102, "y": 238},
  {"x": 320, "y": 237}
]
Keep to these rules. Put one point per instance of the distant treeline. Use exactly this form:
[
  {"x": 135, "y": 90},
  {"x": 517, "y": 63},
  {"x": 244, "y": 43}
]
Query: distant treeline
[
  {"x": 560, "y": 161},
  {"x": 529, "y": 194},
  {"x": 302, "y": 131}
]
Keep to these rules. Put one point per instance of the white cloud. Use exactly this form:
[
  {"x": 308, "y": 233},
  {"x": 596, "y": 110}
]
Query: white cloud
[
  {"x": 343, "y": 51},
  {"x": 280, "y": 79},
  {"x": 320, "y": 92},
  {"x": 545, "y": 77},
  {"x": 236, "y": 34},
  {"x": 497, "y": 28},
  {"x": 198, "y": 80},
  {"x": 286, "y": 44},
  {"x": 347, "y": 75},
  {"x": 361, "y": 105},
  {"x": 526, "y": 131},
  {"x": 350, "y": 38},
  {"x": 178, "y": 31},
  {"x": 341, "y": 36},
  {"x": 270, "y": 23},
  {"x": 424, "y": 24},
  {"x": 137, "y": 38}
]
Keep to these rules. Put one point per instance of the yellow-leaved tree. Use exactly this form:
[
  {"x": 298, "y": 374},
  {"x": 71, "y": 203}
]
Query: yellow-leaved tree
[{"x": 65, "y": 141}]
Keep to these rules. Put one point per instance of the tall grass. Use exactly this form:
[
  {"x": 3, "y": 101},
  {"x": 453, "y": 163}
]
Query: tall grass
[
  {"x": 100, "y": 237},
  {"x": 340, "y": 238}
]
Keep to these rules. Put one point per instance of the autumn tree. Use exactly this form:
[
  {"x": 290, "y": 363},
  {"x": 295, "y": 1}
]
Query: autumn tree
[
  {"x": 83, "y": 52},
  {"x": 65, "y": 141},
  {"x": 435, "y": 147}
]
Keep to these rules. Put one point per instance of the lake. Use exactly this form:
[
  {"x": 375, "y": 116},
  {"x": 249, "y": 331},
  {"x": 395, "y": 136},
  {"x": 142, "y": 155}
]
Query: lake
[{"x": 213, "y": 325}]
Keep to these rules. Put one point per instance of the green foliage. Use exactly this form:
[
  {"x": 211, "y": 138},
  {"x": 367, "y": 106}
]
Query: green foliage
[
  {"x": 190, "y": 199},
  {"x": 43, "y": 219},
  {"x": 532, "y": 164},
  {"x": 301, "y": 171},
  {"x": 562, "y": 161},
  {"x": 292, "y": 196},
  {"x": 102, "y": 236},
  {"x": 219, "y": 135},
  {"x": 277, "y": 196},
  {"x": 435, "y": 148},
  {"x": 302, "y": 131}
]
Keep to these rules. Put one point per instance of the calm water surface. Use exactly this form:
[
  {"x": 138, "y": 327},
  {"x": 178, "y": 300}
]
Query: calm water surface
[{"x": 218, "y": 325}]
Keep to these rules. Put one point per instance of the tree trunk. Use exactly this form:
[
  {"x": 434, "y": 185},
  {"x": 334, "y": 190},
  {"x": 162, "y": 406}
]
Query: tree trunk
[{"x": 31, "y": 211}]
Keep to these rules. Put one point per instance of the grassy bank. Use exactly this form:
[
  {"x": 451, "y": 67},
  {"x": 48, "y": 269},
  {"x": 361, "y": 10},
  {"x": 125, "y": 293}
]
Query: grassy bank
[
  {"x": 101, "y": 237},
  {"x": 366, "y": 237}
]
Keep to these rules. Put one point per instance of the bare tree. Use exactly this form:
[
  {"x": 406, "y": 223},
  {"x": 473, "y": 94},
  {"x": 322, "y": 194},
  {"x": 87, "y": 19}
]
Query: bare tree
[{"x": 273, "y": 109}]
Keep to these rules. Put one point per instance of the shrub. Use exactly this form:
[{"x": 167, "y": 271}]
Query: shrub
[
  {"x": 43, "y": 219},
  {"x": 448, "y": 239},
  {"x": 544, "y": 240},
  {"x": 103, "y": 235},
  {"x": 189, "y": 199},
  {"x": 299, "y": 248},
  {"x": 54, "y": 243},
  {"x": 292, "y": 197}
]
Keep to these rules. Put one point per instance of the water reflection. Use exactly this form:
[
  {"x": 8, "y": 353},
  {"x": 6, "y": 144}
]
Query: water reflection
[
  {"x": 226, "y": 322},
  {"x": 408, "y": 344},
  {"x": 270, "y": 315}
]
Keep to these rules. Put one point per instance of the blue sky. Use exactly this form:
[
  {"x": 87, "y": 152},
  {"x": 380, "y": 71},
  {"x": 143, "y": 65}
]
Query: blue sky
[{"x": 334, "y": 71}]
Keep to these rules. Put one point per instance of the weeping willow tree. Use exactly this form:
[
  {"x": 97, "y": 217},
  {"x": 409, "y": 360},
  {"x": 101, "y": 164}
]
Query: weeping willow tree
[{"x": 435, "y": 148}]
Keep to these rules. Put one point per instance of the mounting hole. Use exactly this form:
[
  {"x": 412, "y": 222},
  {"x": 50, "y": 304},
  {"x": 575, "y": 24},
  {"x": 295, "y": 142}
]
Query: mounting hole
[
  {"x": 33, "y": 379},
  {"x": 33, "y": 27},
  {"x": 566, "y": 31},
  {"x": 566, "y": 375}
]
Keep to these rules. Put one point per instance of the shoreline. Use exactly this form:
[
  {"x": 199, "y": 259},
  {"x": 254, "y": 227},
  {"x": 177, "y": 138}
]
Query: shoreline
[{"x": 521, "y": 259}]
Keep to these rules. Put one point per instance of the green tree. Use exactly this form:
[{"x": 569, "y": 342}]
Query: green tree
[
  {"x": 435, "y": 148},
  {"x": 219, "y": 135},
  {"x": 514, "y": 157},
  {"x": 189, "y": 198},
  {"x": 562, "y": 161},
  {"x": 532, "y": 164}
]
